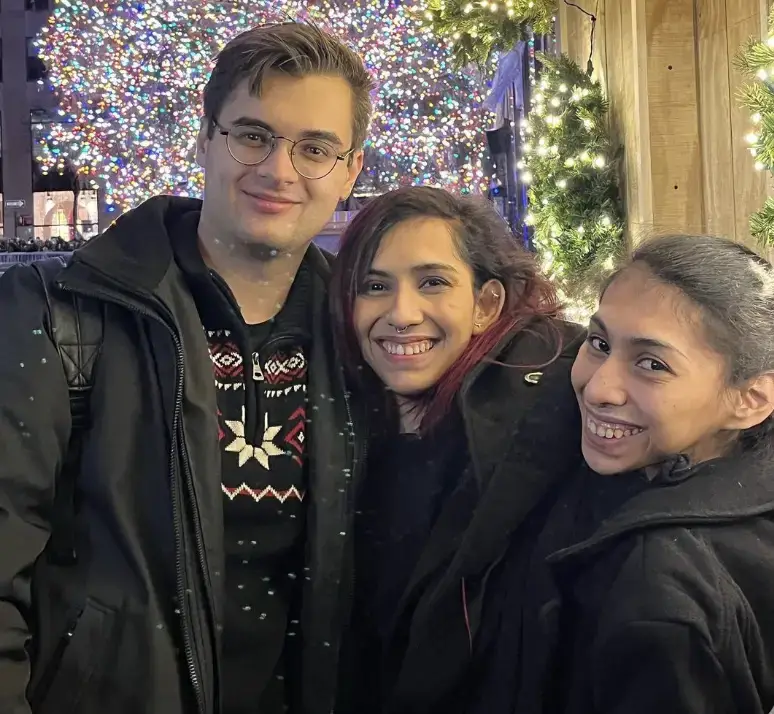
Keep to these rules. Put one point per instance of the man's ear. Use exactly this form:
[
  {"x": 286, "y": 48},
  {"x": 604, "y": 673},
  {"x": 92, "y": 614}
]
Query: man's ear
[
  {"x": 203, "y": 141},
  {"x": 354, "y": 167}
]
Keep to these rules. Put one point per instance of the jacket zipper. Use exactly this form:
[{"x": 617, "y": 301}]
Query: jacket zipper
[
  {"x": 177, "y": 517},
  {"x": 349, "y": 595},
  {"x": 466, "y": 614},
  {"x": 44, "y": 685},
  {"x": 188, "y": 645}
]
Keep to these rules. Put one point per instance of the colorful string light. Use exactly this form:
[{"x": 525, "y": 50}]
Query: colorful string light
[{"x": 130, "y": 75}]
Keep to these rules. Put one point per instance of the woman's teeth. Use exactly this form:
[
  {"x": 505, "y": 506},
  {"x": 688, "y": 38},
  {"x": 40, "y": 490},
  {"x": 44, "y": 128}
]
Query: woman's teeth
[
  {"x": 611, "y": 431},
  {"x": 411, "y": 348}
]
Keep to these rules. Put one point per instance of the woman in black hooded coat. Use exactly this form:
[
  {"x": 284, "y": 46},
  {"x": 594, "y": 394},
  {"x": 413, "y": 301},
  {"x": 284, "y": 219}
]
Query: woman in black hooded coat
[
  {"x": 651, "y": 585},
  {"x": 452, "y": 338}
]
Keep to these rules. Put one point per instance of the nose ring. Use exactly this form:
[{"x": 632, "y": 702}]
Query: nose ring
[{"x": 401, "y": 329}]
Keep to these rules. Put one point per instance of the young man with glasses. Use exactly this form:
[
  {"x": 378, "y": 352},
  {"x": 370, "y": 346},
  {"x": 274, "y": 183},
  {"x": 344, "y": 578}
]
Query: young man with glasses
[{"x": 214, "y": 491}]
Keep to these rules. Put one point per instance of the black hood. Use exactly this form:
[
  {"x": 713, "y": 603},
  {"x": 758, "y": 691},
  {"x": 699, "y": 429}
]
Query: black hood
[
  {"x": 522, "y": 424},
  {"x": 136, "y": 250},
  {"x": 717, "y": 492}
]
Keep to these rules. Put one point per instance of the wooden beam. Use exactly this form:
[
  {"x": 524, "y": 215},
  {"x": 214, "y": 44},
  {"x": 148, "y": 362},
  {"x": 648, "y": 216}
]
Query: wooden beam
[
  {"x": 715, "y": 100},
  {"x": 676, "y": 166}
]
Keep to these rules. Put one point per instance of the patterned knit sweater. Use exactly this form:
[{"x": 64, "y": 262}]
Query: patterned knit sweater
[{"x": 260, "y": 373}]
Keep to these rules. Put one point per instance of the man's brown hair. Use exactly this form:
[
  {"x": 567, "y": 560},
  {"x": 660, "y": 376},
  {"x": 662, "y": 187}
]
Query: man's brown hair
[{"x": 294, "y": 48}]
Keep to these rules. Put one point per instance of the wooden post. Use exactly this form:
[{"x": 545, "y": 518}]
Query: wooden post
[{"x": 667, "y": 66}]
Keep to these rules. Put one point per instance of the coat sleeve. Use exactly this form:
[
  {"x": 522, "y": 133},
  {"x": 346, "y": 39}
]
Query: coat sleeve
[
  {"x": 34, "y": 431},
  {"x": 647, "y": 667}
]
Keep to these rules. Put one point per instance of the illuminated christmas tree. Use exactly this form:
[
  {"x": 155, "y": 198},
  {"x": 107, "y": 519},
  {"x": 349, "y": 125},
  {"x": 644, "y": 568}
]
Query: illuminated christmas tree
[{"x": 130, "y": 74}]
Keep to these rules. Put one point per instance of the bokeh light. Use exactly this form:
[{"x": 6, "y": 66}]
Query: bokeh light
[{"x": 130, "y": 74}]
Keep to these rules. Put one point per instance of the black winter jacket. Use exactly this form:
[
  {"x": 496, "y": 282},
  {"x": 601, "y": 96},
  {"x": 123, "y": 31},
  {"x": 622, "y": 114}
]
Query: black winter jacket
[
  {"x": 522, "y": 426},
  {"x": 667, "y": 607},
  {"x": 134, "y": 626}
]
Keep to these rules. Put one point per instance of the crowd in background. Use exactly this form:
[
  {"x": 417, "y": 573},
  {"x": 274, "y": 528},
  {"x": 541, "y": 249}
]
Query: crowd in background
[{"x": 39, "y": 245}]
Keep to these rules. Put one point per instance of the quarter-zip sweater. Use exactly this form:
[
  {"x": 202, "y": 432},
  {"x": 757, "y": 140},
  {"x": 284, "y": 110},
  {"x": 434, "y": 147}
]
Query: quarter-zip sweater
[{"x": 260, "y": 374}]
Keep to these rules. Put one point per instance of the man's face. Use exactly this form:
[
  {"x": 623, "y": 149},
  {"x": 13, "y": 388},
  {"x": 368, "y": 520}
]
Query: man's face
[{"x": 269, "y": 207}]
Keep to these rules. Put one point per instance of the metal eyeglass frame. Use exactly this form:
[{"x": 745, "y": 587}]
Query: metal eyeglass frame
[{"x": 274, "y": 137}]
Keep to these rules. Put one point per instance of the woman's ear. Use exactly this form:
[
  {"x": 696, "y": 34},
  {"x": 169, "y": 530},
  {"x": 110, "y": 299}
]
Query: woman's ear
[
  {"x": 754, "y": 402},
  {"x": 489, "y": 306}
]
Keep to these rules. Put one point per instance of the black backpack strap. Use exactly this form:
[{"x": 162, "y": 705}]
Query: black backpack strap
[{"x": 76, "y": 328}]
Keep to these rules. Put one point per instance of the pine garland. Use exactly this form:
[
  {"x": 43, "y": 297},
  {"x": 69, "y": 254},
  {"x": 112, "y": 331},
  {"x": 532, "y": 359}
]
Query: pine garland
[
  {"x": 570, "y": 167},
  {"x": 479, "y": 28},
  {"x": 756, "y": 59}
]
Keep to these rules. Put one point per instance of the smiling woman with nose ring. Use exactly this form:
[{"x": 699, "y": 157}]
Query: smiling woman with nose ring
[{"x": 453, "y": 347}]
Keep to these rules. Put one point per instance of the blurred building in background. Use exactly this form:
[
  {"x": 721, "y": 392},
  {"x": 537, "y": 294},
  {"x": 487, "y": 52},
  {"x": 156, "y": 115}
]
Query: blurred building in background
[{"x": 34, "y": 205}]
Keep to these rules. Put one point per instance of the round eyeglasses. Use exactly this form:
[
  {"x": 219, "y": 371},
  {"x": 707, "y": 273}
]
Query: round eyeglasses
[{"x": 252, "y": 145}]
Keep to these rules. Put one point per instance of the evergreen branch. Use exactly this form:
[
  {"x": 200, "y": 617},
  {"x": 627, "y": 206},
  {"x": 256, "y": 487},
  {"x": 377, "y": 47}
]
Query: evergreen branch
[
  {"x": 754, "y": 56},
  {"x": 480, "y": 28},
  {"x": 762, "y": 224},
  {"x": 571, "y": 168},
  {"x": 756, "y": 60}
]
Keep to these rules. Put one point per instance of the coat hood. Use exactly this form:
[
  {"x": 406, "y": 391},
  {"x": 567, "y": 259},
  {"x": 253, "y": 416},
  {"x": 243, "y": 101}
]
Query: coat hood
[
  {"x": 718, "y": 492},
  {"x": 136, "y": 250}
]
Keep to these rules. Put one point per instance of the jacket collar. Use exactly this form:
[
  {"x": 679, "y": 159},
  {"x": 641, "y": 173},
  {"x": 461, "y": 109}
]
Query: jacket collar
[
  {"x": 515, "y": 418},
  {"x": 717, "y": 492},
  {"x": 498, "y": 399},
  {"x": 136, "y": 251}
]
